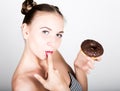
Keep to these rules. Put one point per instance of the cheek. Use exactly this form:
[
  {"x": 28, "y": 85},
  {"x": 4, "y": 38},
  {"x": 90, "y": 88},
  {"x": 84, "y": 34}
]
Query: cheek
[
  {"x": 58, "y": 43},
  {"x": 36, "y": 45},
  {"x": 37, "y": 40}
]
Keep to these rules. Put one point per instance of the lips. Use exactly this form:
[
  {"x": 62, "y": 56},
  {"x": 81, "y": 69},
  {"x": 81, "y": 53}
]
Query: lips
[{"x": 48, "y": 52}]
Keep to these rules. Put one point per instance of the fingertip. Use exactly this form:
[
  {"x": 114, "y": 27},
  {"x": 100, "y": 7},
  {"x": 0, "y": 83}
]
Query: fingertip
[
  {"x": 50, "y": 59},
  {"x": 91, "y": 60},
  {"x": 88, "y": 72},
  {"x": 48, "y": 53},
  {"x": 91, "y": 65}
]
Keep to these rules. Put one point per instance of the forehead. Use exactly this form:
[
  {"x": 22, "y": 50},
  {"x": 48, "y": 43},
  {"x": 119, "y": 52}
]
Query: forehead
[{"x": 52, "y": 20}]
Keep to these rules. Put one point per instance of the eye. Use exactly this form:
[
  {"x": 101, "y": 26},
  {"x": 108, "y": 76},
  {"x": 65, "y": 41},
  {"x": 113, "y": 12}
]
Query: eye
[
  {"x": 59, "y": 35},
  {"x": 45, "y": 32}
]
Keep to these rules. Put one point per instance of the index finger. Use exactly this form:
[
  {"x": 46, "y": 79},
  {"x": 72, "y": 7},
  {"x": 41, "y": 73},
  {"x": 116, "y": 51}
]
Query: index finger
[{"x": 50, "y": 61}]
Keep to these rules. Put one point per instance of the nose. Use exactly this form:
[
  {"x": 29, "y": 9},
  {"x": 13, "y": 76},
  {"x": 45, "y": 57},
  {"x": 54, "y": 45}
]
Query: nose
[
  {"x": 51, "y": 41},
  {"x": 50, "y": 44}
]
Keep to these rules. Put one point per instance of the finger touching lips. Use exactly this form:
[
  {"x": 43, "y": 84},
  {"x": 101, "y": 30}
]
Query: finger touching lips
[{"x": 48, "y": 52}]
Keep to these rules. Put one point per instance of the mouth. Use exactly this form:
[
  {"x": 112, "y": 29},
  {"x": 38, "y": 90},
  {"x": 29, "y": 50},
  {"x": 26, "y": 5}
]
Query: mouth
[{"x": 46, "y": 52}]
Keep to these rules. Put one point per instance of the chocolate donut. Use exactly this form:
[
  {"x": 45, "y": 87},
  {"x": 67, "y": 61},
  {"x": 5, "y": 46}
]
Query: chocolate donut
[{"x": 92, "y": 48}]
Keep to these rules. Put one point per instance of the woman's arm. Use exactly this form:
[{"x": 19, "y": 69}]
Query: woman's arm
[
  {"x": 82, "y": 78},
  {"x": 82, "y": 65}
]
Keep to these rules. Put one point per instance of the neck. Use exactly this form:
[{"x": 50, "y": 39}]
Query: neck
[{"x": 29, "y": 62}]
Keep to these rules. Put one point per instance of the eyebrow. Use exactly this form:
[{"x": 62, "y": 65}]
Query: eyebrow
[
  {"x": 51, "y": 29},
  {"x": 46, "y": 28}
]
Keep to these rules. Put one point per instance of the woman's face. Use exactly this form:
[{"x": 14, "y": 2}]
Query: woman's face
[{"x": 44, "y": 33}]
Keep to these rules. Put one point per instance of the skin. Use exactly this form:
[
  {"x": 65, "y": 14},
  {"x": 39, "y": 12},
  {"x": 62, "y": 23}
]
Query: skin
[{"x": 41, "y": 67}]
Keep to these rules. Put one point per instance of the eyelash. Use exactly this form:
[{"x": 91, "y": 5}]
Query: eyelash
[
  {"x": 59, "y": 35},
  {"x": 47, "y": 32}
]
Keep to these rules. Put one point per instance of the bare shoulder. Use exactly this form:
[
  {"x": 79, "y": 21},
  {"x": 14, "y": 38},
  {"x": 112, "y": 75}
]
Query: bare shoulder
[
  {"x": 22, "y": 83},
  {"x": 26, "y": 83}
]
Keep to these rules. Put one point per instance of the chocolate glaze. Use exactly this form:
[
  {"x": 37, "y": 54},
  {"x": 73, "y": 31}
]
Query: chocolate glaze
[{"x": 92, "y": 48}]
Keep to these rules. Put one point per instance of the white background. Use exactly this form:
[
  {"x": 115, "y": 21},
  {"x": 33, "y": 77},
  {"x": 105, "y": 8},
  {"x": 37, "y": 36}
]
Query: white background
[{"x": 95, "y": 19}]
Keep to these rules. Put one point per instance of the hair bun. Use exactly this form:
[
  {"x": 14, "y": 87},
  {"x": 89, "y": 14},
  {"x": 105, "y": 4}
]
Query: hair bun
[{"x": 27, "y": 6}]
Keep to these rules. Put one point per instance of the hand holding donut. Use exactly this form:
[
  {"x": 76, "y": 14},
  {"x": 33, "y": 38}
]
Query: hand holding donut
[
  {"x": 84, "y": 63},
  {"x": 90, "y": 52},
  {"x": 54, "y": 81}
]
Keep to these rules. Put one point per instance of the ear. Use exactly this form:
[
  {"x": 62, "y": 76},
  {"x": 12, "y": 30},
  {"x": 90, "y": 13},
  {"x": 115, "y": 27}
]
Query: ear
[{"x": 25, "y": 30}]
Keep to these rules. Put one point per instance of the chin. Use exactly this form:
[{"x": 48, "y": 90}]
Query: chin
[
  {"x": 43, "y": 58},
  {"x": 40, "y": 57}
]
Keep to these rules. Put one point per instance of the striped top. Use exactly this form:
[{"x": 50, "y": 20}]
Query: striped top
[{"x": 74, "y": 84}]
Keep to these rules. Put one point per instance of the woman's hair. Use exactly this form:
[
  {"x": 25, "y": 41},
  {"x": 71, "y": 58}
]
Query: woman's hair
[{"x": 29, "y": 8}]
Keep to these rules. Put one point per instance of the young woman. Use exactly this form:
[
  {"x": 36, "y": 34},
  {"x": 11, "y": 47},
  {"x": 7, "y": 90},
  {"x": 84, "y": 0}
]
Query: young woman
[{"x": 41, "y": 67}]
